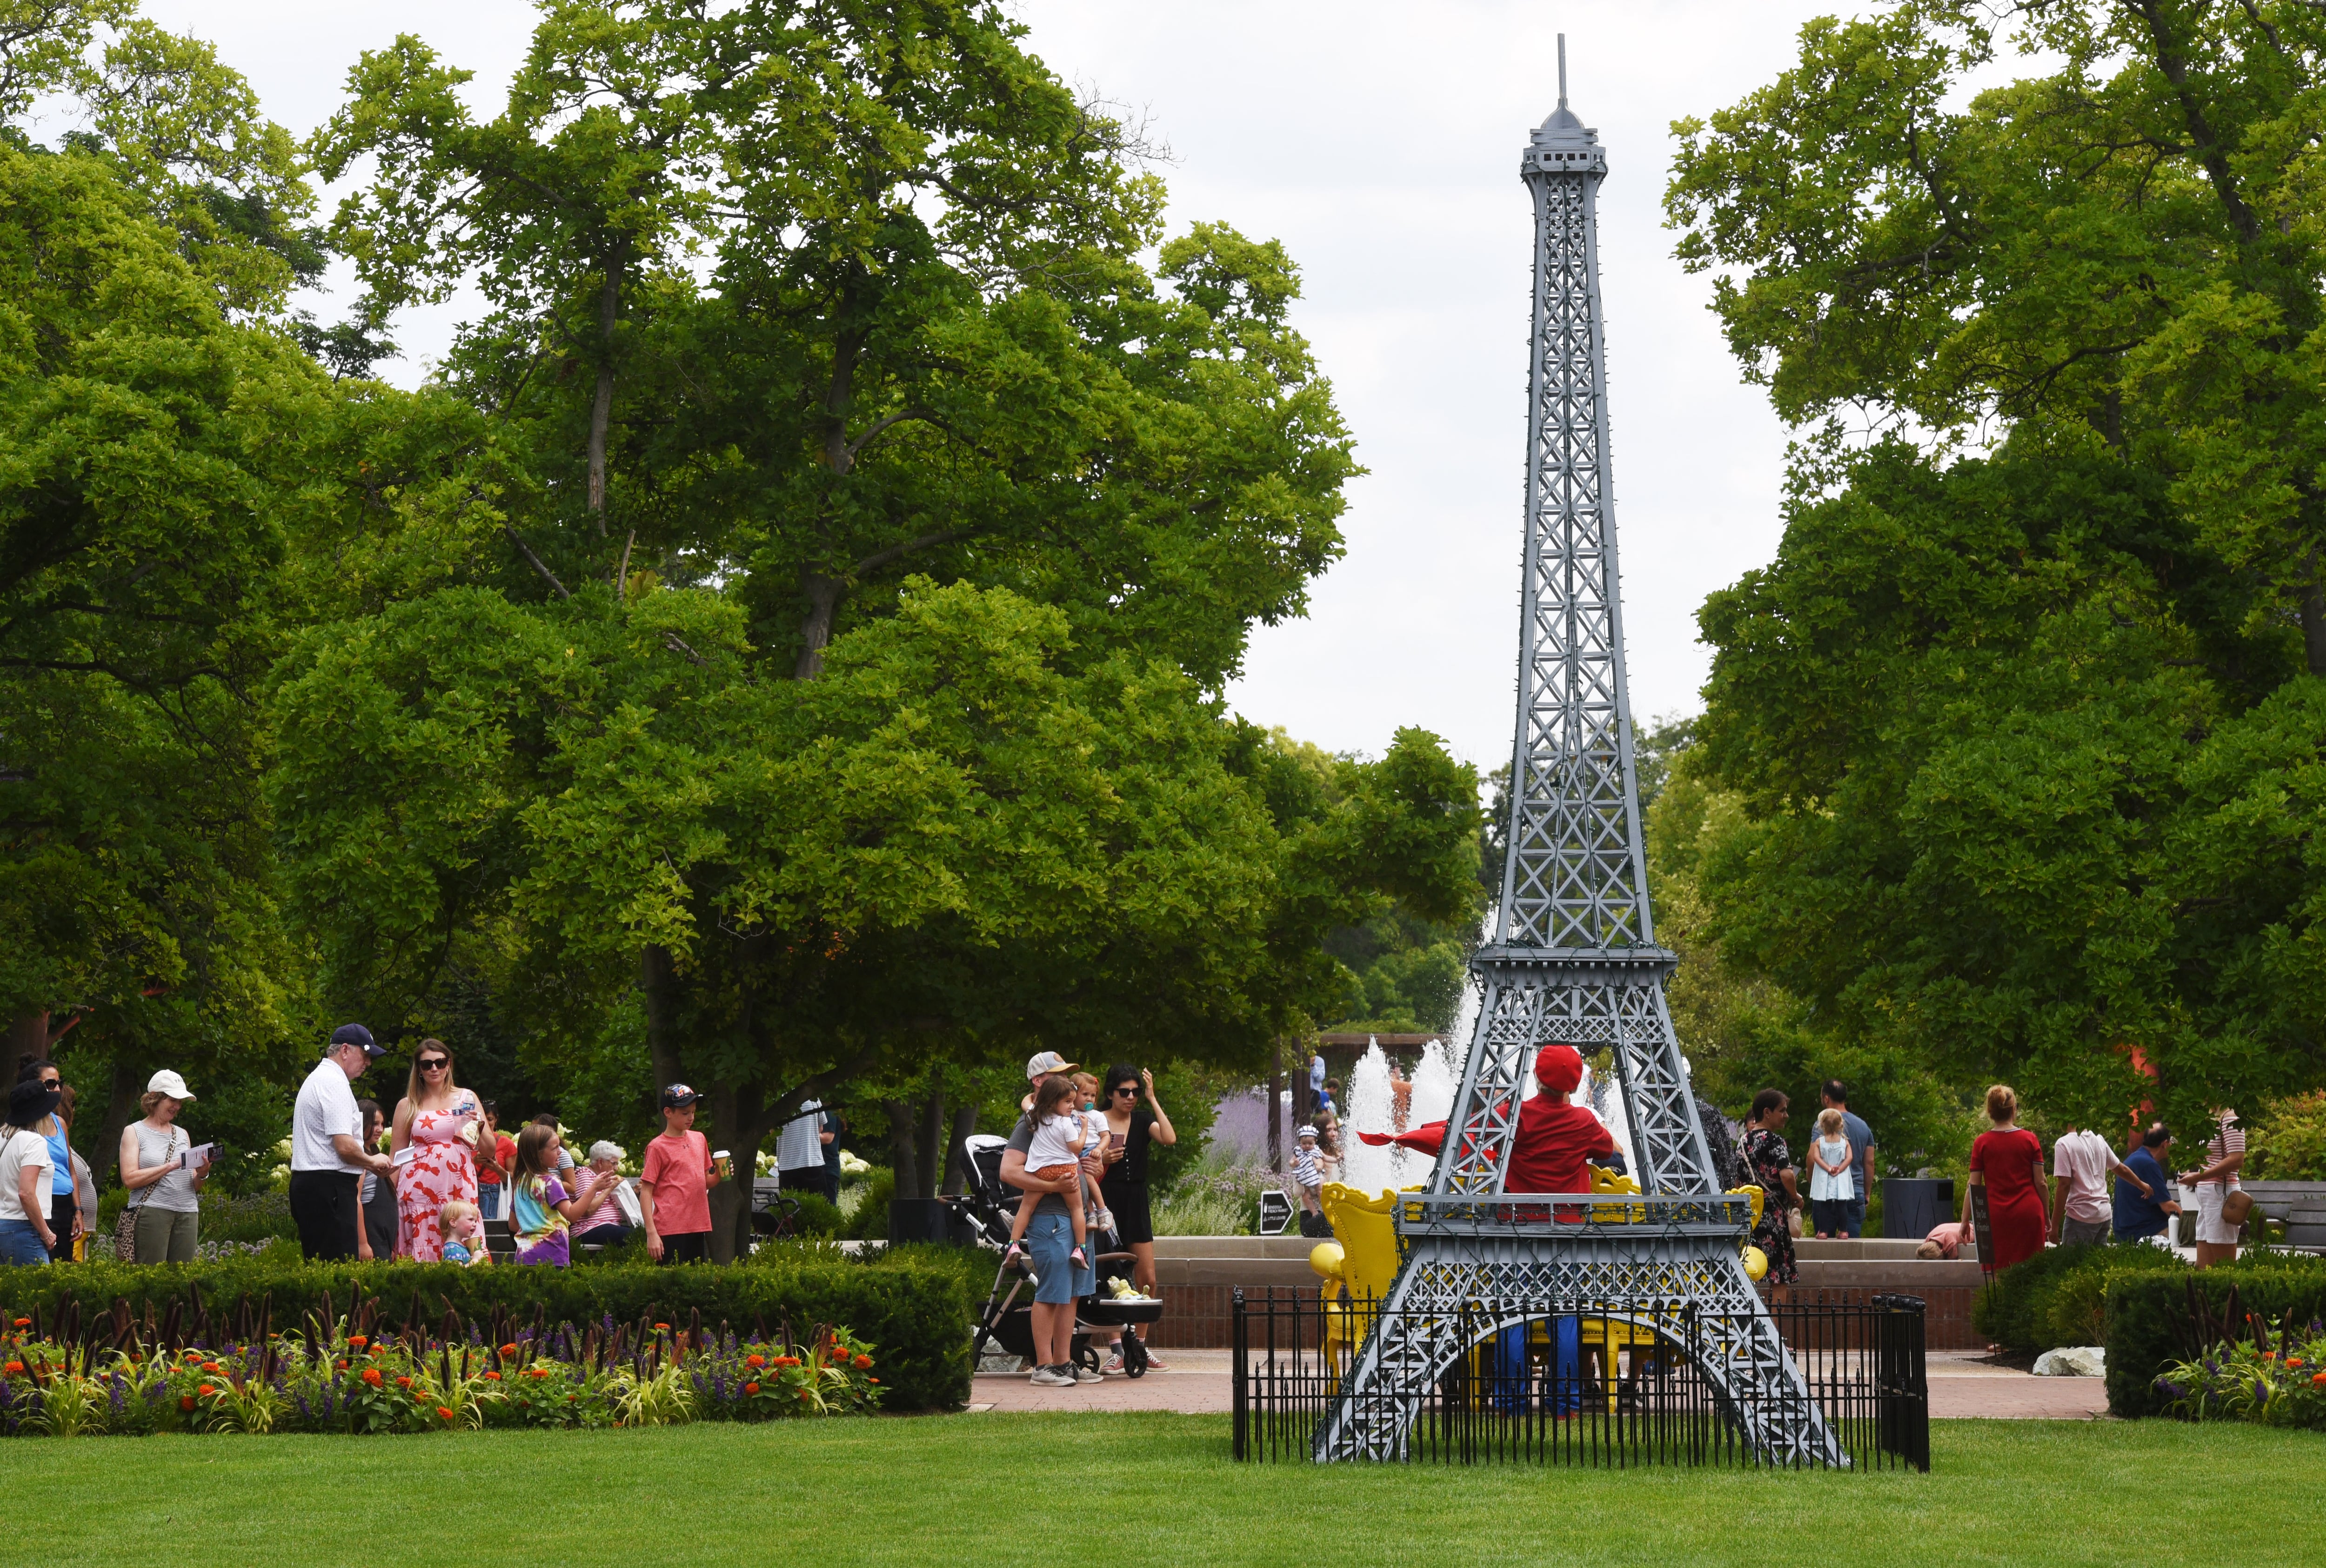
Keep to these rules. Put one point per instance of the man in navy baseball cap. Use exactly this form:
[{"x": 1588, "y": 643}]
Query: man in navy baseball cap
[{"x": 357, "y": 1035}]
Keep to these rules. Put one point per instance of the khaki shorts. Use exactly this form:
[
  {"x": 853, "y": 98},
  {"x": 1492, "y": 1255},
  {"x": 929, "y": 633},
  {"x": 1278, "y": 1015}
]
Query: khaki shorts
[{"x": 2210, "y": 1228}]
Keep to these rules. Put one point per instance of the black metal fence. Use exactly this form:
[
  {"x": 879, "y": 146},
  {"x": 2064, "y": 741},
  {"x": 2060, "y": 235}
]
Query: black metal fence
[{"x": 1602, "y": 1384}]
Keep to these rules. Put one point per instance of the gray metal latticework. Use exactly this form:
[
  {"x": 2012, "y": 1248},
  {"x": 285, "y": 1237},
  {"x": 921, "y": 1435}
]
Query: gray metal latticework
[{"x": 1573, "y": 958}]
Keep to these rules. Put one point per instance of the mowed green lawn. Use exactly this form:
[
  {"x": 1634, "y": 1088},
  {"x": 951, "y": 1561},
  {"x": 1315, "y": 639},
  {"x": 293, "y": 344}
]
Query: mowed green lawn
[{"x": 1143, "y": 1488}]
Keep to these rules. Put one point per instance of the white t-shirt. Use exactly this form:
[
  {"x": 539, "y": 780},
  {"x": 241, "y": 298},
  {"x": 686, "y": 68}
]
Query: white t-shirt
[
  {"x": 799, "y": 1146},
  {"x": 23, "y": 1148},
  {"x": 326, "y": 1105},
  {"x": 1050, "y": 1146},
  {"x": 2083, "y": 1160}
]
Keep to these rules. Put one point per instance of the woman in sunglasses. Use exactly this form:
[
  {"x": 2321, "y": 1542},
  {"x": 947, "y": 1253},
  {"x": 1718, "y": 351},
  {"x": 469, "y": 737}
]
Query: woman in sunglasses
[
  {"x": 1130, "y": 1130},
  {"x": 437, "y": 1149}
]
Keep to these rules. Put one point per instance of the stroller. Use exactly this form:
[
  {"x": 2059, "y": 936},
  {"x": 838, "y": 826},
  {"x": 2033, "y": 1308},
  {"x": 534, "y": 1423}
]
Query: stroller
[{"x": 988, "y": 1210}]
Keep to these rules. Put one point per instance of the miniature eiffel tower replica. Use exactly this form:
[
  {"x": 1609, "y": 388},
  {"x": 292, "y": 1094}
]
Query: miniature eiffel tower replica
[{"x": 1573, "y": 959}]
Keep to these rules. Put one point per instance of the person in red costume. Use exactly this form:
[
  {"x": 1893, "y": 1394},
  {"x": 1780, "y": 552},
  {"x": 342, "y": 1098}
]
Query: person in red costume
[{"x": 1553, "y": 1145}]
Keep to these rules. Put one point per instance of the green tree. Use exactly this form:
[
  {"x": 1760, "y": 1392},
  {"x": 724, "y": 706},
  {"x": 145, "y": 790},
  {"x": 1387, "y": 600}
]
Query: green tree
[{"x": 876, "y": 533}]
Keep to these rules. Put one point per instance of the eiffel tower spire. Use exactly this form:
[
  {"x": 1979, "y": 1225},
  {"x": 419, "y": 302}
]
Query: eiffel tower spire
[{"x": 1573, "y": 958}]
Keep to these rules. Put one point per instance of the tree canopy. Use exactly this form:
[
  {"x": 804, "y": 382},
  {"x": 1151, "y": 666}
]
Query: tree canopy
[{"x": 2024, "y": 724}]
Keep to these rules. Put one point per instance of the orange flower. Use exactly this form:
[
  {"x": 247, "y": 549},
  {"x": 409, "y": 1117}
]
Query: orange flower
[
  {"x": 343, "y": 1366},
  {"x": 495, "y": 1376},
  {"x": 23, "y": 1323},
  {"x": 371, "y": 1376},
  {"x": 13, "y": 1369},
  {"x": 444, "y": 1411},
  {"x": 187, "y": 1402},
  {"x": 193, "y": 1354},
  {"x": 862, "y": 1362},
  {"x": 209, "y": 1365},
  {"x": 206, "y": 1390},
  {"x": 357, "y": 1341},
  {"x": 2319, "y": 1378},
  {"x": 404, "y": 1382},
  {"x": 871, "y": 1379},
  {"x": 755, "y": 1361},
  {"x": 537, "y": 1372},
  {"x": 661, "y": 1328},
  {"x": 751, "y": 1387},
  {"x": 509, "y": 1349},
  {"x": 2293, "y": 1360}
]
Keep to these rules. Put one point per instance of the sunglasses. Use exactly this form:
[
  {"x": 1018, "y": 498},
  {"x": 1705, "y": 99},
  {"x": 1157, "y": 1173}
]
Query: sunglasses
[
  {"x": 435, "y": 1064},
  {"x": 1123, "y": 1089}
]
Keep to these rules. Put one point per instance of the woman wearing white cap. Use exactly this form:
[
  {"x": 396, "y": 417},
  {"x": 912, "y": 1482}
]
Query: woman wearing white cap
[{"x": 163, "y": 1181}]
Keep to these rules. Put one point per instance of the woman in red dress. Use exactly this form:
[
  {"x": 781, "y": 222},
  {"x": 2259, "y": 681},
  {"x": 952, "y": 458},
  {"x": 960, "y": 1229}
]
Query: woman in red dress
[{"x": 2009, "y": 1164}]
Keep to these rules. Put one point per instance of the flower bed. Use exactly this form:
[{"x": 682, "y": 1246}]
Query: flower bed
[
  {"x": 2160, "y": 1322},
  {"x": 354, "y": 1376},
  {"x": 918, "y": 1312},
  {"x": 2274, "y": 1380}
]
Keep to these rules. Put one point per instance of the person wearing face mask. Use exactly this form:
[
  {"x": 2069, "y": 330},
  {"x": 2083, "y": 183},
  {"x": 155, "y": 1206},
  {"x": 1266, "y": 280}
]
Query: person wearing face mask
[
  {"x": 26, "y": 1169},
  {"x": 64, "y": 1193}
]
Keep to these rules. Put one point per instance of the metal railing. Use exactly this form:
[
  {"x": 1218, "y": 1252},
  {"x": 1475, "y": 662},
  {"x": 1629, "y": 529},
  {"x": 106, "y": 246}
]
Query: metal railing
[{"x": 1613, "y": 1384}]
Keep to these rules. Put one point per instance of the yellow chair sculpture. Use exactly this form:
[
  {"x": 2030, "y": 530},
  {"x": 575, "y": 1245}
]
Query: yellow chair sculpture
[{"x": 1357, "y": 1269}]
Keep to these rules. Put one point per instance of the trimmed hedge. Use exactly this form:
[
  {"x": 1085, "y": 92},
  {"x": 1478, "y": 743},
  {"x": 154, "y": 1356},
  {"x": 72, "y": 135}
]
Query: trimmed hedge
[
  {"x": 2150, "y": 1325},
  {"x": 916, "y": 1313},
  {"x": 2056, "y": 1298}
]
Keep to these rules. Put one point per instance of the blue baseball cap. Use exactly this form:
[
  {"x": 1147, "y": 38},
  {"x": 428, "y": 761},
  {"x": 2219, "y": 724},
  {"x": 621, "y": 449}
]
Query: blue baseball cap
[{"x": 354, "y": 1035}]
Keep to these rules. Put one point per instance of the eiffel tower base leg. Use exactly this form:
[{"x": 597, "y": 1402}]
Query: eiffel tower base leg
[{"x": 1692, "y": 1292}]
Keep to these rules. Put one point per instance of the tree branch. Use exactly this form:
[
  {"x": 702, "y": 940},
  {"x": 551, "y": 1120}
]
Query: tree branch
[{"x": 547, "y": 576}]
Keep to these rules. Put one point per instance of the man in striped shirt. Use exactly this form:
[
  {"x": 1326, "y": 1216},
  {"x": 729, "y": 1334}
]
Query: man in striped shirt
[{"x": 2215, "y": 1180}]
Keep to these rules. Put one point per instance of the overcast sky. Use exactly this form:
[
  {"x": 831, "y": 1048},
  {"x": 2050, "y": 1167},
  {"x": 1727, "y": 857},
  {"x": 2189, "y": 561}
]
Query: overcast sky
[{"x": 1380, "y": 143}]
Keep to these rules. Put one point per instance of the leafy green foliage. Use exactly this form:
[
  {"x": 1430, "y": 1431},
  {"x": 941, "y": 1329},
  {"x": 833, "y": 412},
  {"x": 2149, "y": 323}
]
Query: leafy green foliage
[
  {"x": 2026, "y": 742},
  {"x": 2150, "y": 1326},
  {"x": 916, "y": 1314},
  {"x": 2287, "y": 1141},
  {"x": 2059, "y": 1296}
]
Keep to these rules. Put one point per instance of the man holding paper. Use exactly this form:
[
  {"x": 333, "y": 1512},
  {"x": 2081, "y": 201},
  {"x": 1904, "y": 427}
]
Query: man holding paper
[{"x": 164, "y": 1174}]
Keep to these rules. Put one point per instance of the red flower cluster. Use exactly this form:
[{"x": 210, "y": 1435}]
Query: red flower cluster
[
  {"x": 209, "y": 1365},
  {"x": 14, "y": 1369},
  {"x": 755, "y": 1361},
  {"x": 371, "y": 1376},
  {"x": 357, "y": 1341},
  {"x": 509, "y": 1349},
  {"x": 206, "y": 1390},
  {"x": 495, "y": 1376},
  {"x": 751, "y": 1388},
  {"x": 23, "y": 1323},
  {"x": 862, "y": 1362},
  {"x": 404, "y": 1382},
  {"x": 444, "y": 1411},
  {"x": 186, "y": 1403}
]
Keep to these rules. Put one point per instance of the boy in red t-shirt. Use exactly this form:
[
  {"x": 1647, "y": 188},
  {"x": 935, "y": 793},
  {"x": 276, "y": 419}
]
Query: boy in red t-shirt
[{"x": 675, "y": 1187}]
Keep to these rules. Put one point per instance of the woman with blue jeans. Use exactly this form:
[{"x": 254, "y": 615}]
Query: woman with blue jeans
[
  {"x": 26, "y": 1174},
  {"x": 1050, "y": 1245}
]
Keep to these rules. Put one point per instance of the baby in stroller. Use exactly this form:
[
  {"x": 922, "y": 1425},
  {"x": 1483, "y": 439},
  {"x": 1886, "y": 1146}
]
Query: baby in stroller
[{"x": 1061, "y": 1132}]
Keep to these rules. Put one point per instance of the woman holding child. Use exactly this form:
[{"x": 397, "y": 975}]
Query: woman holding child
[{"x": 438, "y": 1122}]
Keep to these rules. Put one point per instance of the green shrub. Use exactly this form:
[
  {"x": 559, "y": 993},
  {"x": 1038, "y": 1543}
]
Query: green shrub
[
  {"x": 869, "y": 1221},
  {"x": 818, "y": 1215},
  {"x": 2057, "y": 1297},
  {"x": 914, "y": 1312},
  {"x": 2287, "y": 1143},
  {"x": 2149, "y": 1325},
  {"x": 260, "y": 1216}
]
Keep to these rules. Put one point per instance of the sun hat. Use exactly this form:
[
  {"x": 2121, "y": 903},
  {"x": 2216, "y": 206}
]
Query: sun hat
[
  {"x": 168, "y": 1082},
  {"x": 1045, "y": 1061}
]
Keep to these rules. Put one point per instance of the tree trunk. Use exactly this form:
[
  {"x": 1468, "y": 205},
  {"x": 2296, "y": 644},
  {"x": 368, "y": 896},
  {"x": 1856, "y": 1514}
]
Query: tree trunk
[
  {"x": 658, "y": 985},
  {"x": 903, "y": 1145},
  {"x": 815, "y": 632},
  {"x": 121, "y": 1108},
  {"x": 601, "y": 409},
  {"x": 1276, "y": 1099},
  {"x": 738, "y": 1121},
  {"x": 957, "y": 1174},
  {"x": 930, "y": 1168},
  {"x": 2314, "y": 621}
]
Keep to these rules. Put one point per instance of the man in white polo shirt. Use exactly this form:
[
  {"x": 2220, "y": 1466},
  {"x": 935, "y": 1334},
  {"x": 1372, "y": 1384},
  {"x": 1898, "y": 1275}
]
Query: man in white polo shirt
[{"x": 327, "y": 1158}]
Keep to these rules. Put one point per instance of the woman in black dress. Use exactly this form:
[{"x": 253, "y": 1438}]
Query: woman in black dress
[
  {"x": 1131, "y": 1129},
  {"x": 1772, "y": 1164}
]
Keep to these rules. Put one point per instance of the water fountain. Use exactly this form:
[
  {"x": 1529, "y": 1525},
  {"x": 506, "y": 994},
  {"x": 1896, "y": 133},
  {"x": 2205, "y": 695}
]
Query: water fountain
[{"x": 1364, "y": 1166}]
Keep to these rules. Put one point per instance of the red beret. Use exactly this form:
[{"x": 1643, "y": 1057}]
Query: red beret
[{"x": 1559, "y": 1069}]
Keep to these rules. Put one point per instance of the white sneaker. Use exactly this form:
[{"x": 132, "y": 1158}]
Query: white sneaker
[
  {"x": 1050, "y": 1377},
  {"x": 1085, "y": 1375}
]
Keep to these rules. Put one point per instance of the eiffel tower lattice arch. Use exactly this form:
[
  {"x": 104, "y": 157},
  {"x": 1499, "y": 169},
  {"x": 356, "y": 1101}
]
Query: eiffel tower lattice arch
[{"x": 1574, "y": 957}]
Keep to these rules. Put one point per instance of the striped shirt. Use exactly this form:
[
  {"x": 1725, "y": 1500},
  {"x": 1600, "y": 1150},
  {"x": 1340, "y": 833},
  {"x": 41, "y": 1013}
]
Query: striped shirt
[
  {"x": 1307, "y": 1169},
  {"x": 2230, "y": 1140}
]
